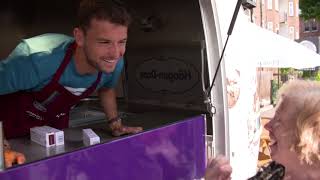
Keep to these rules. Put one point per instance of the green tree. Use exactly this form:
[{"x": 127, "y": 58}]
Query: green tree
[
  {"x": 310, "y": 9},
  {"x": 317, "y": 78},
  {"x": 307, "y": 74}
]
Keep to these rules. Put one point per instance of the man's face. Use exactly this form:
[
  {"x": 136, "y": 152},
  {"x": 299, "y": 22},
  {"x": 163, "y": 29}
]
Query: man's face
[{"x": 104, "y": 44}]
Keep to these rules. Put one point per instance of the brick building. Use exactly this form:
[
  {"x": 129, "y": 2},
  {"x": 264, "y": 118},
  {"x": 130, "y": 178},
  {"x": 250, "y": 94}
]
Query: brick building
[
  {"x": 310, "y": 34},
  {"x": 278, "y": 16}
]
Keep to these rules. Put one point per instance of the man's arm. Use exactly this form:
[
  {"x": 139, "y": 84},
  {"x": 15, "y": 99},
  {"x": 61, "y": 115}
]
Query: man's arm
[
  {"x": 17, "y": 73},
  {"x": 109, "y": 103}
]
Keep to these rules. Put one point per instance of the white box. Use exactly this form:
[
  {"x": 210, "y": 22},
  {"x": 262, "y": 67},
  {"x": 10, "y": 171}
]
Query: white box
[
  {"x": 42, "y": 137},
  {"x": 90, "y": 137},
  {"x": 54, "y": 150},
  {"x": 58, "y": 134}
]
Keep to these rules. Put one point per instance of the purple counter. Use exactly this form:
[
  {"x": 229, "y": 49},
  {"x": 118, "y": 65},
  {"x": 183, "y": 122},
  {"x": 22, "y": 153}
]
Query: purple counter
[{"x": 173, "y": 152}]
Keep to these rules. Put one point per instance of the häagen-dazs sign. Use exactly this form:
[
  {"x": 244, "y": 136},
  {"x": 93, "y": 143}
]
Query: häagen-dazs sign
[{"x": 167, "y": 75}]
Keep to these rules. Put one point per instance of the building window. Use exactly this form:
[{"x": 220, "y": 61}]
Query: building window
[
  {"x": 313, "y": 25},
  {"x": 283, "y": 17},
  {"x": 310, "y": 25},
  {"x": 269, "y": 4},
  {"x": 306, "y": 26},
  {"x": 270, "y": 26},
  {"x": 291, "y": 29},
  {"x": 291, "y": 32},
  {"x": 297, "y": 35},
  {"x": 291, "y": 9},
  {"x": 276, "y": 5}
]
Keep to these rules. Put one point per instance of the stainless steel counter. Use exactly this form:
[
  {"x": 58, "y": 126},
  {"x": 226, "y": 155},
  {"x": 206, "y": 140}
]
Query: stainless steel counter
[{"x": 73, "y": 135}]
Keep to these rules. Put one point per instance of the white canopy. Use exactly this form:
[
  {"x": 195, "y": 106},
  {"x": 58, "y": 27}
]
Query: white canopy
[
  {"x": 267, "y": 49},
  {"x": 279, "y": 51}
]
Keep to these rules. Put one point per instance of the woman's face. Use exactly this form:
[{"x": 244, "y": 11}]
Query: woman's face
[{"x": 282, "y": 134}]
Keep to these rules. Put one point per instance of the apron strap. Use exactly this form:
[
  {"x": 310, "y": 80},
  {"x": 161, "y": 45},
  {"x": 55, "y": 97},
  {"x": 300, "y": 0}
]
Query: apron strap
[
  {"x": 64, "y": 64},
  {"x": 92, "y": 88},
  {"x": 65, "y": 61}
]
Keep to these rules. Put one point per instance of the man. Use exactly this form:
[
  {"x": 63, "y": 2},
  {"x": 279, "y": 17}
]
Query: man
[{"x": 46, "y": 75}]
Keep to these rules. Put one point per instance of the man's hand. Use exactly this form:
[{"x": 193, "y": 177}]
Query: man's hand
[
  {"x": 11, "y": 157},
  {"x": 118, "y": 129},
  {"x": 218, "y": 169},
  {"x": 109, "y": 104}
]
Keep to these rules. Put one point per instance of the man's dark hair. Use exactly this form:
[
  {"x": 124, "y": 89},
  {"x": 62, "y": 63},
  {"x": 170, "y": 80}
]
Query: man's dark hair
[{"x": 113, "y": 11}]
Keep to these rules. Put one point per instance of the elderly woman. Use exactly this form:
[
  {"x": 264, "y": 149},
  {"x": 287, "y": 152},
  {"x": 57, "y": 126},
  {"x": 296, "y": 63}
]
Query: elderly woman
[{"x": 294, "y": 133}]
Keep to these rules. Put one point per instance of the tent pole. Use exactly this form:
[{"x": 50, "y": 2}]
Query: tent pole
[{"x": 278, "y": 78}]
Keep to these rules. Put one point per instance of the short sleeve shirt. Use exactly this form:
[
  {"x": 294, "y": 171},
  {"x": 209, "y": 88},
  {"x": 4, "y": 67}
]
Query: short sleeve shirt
[{"x": 34, "y": 61}]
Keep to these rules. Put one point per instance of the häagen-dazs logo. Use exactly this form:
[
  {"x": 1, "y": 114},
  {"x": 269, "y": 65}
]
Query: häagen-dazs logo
[{"x": 167, "y": 75}]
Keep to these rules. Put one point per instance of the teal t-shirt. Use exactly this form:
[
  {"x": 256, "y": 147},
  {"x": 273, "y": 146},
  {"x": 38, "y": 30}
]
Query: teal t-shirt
[{"x": 34, "y": 61}]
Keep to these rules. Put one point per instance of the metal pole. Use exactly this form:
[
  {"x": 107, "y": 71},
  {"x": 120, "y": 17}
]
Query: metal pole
[
  {"x": 1, "y": 148},
  {"x": 278, "y": 79}
]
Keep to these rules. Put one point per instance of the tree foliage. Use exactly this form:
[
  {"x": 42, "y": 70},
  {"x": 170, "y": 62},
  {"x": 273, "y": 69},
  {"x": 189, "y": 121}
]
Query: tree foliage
[{"x": 310, "y": 9}]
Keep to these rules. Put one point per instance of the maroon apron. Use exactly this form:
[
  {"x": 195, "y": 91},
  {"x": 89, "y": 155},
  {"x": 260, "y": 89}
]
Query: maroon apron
[{"x": 22, "y": 110}]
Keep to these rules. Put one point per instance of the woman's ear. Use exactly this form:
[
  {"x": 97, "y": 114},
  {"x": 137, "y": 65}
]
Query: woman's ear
[{"x": 78, "y": 35}]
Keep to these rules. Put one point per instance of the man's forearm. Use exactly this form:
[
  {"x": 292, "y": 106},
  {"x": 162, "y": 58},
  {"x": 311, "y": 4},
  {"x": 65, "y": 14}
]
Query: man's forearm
[{"x": 109, "y": 102}]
